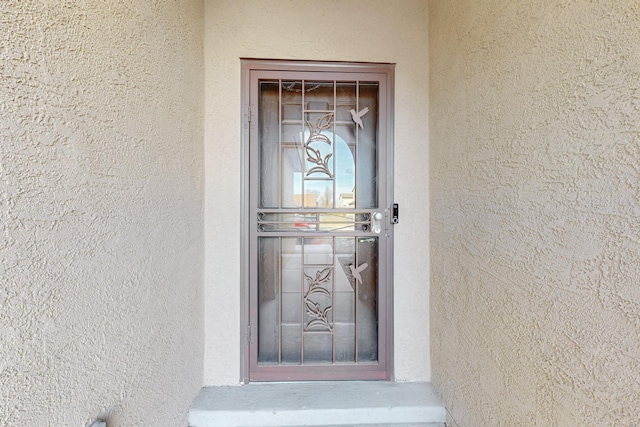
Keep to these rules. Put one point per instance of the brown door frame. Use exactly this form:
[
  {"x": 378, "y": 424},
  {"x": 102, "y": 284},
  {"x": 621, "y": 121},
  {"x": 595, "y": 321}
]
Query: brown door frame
[{"x": 249, "y": 124}]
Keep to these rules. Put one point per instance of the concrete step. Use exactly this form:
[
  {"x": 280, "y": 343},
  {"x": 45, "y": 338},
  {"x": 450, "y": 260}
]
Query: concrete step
[{"x": 319, "y": 404}]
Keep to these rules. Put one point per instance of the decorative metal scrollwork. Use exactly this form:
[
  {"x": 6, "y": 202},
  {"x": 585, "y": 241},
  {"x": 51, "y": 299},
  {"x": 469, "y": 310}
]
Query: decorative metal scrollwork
[
  {"x": 366, "y": 223},
  {"x": 260, "y": 219},
  {"x": 319, "y": 316},
  {"x": 315, "y": 135},
  {"x": 357, "y": 116}
]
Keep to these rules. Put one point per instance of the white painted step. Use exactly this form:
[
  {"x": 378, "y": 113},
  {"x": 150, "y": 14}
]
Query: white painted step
[{"x": 319, "y": 404}]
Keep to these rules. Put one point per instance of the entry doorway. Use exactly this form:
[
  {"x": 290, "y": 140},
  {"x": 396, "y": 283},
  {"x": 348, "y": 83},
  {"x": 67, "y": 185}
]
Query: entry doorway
[{"x": 319, "y": 240}]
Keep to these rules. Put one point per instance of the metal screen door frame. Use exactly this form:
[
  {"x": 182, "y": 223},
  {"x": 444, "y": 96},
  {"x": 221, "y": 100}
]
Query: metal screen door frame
[{"x": 253, "y": 72}]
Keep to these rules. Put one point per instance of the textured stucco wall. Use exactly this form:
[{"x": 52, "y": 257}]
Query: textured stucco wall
[
  {"x": 373, "y": 31},
  {"x": 101, "y": 183},
  {"x": 535, "y": 211}
]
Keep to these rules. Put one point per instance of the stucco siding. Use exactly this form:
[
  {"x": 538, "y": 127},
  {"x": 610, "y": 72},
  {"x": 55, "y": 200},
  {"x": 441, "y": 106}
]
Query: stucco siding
[
  {"x": 535, "y": 214},
  {"x": 101, "y": 212}
]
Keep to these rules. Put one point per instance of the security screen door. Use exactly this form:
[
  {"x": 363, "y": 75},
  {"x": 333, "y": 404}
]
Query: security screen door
[{"x": 319, "y": 234}]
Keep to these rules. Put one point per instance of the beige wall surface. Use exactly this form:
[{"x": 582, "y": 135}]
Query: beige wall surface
[
  {"x": 535, "y": 211},
  {"x": 371, "y": 31},
  {"x": 100, "y": 212}
]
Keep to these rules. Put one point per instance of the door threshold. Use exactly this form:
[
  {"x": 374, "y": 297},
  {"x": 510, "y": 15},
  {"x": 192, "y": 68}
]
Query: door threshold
[{"x": 319, "y": 404}]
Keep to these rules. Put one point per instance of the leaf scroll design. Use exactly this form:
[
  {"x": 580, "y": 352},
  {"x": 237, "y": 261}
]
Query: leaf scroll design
[
  {"x": 315, "y": 135},
  {"x": 319, "y": 316}
]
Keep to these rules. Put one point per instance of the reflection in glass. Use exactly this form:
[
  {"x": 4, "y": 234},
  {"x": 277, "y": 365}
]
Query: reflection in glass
[
  {"x": 367, "y": 181},
  {"x": 367, "y": 300},
  {"x": 312, "y": 307},
  {"x": 320, "y": 141},
  {"x": 269, "y": 143},
  {"x": 268, "y": 297},
  {"x": 291, "y": 300}
]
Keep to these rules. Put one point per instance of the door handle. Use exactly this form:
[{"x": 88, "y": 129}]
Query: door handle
[{"x": 377, "y": 218}]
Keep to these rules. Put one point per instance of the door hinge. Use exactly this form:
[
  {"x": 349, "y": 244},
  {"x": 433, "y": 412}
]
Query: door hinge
[
  {"x": 250, "y": 113},
  {"x": 249, "y": 333},
  {"x": 248, "y": 116},
  {"x": 386, "y": 222}
]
